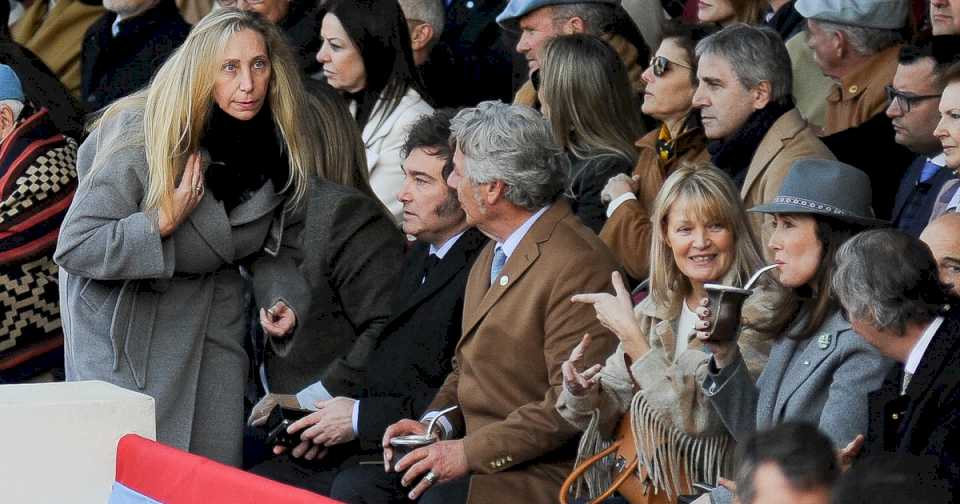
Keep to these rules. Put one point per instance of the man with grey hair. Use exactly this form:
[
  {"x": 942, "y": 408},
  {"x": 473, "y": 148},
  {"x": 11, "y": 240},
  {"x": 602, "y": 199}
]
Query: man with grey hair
[
  {"x": 857, "y": 43},
  {"x": 425, "y": 20},
  {"x": 887, "y": 281},
  {"x": 748, "y": 114},
  {"x": 506, "y": 442},
  {"x": 539, "y": 21}
]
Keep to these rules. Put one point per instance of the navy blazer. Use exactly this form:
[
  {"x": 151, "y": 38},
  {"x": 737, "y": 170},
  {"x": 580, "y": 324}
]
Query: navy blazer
[
  {"x": 913, "y": 217},
  {"x": 925, "y": 420}
]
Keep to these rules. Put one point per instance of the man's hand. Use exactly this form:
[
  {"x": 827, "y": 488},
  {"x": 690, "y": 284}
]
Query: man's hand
[
  {"x": 445, "y": 459},
  {"x": 849, "y": 453},
  {"x": 404, "y": 427},
  {"x": 335, "y": 424},
  {"x": 278, "y": 321}
]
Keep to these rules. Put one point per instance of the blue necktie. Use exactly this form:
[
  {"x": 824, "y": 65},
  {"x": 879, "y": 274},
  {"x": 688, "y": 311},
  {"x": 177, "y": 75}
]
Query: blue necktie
[
  {"x": 499, "y": 259},
  {"x": 928, "y": 171}
]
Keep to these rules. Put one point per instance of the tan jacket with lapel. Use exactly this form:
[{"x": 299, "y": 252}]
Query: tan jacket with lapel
[
  {"x": 506, "y": 375},
  {"x": 789, "y": 139}
]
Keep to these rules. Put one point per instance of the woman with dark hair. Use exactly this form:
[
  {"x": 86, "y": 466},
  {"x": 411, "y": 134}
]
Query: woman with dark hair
[
  {"x": 585, "y": 92},
  {"x": 819, "y": 370},
  {"x": 366, "y": 55},
  {"x": 670, "y": 81}
]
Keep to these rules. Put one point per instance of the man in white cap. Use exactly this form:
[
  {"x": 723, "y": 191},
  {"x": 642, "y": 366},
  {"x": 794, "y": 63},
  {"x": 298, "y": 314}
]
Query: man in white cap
[
  {"x": 856, "y": 43},
  {"x": 37, "y": 180},
  {"x": 539, "y": 21}
]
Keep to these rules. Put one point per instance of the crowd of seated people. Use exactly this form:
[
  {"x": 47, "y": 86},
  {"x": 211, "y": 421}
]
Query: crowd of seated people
[{"x": 270, "y": 221}]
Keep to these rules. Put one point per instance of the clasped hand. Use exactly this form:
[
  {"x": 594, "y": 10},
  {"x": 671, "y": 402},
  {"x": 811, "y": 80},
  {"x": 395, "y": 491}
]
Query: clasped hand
[{"x": 330, "y": 425}]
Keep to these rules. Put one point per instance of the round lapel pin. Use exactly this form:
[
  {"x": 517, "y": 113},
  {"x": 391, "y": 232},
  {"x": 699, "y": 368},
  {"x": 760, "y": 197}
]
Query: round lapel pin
[{"x": 504, "y": 280}]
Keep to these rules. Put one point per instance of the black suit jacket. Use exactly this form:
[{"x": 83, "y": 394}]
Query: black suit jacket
[
  {"x": 926, "y": 420},
  {"x": 914, "y": 201},
  {"x": 113, "y": 67},
  {"x": 413, "y": 354}
]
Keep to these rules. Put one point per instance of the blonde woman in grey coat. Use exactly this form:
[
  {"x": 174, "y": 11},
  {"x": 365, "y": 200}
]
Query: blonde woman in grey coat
[
  {"x": 182, "y": 185},
  {"x": 700, "y": 235}
]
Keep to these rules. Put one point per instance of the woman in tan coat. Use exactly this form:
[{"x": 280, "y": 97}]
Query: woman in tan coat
[
  {"x": 700, "y": 235},
  {"x": 671, "y": 80}
]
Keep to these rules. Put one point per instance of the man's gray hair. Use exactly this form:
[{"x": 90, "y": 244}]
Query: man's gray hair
[
  {"x": 888, "y": 279},
  {"x": 756, "y": 54},
  {"x": 513, "y": 144},
  {"x": 428, "y": 11},
  {"x": 16, "y": 106},
  {"x": 864, "y": 40},
  {"x": 598, "y": 18}
]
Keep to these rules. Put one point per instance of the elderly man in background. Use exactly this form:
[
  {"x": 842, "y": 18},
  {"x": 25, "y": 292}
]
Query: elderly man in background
[
  {"x": 888, "y": 283},
  {"x": 943, "y": 237},
  {"x": 748, "y": 113},
  {"x": 506, "y": 442},
  {"x": 913, "y": 101},
  {"x": 538, "y": 21},
  {"x": 37, "y": 180},
  {"x": 856, "y": 43},
  {"x": 123, "y": 49}
]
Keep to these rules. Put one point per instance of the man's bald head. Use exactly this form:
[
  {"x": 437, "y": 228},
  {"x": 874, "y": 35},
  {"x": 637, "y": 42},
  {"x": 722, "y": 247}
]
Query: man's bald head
[{"x": 943, "y": 237}]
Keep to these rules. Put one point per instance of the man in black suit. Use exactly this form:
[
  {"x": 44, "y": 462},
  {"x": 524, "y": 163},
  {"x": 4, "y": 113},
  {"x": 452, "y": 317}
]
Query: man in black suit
[
  {"x": 888, "y": 284},
  {"x": 412, "y": 355},
  {"x": 914, "y": 112},
  {"x": 122, "y": 50}
]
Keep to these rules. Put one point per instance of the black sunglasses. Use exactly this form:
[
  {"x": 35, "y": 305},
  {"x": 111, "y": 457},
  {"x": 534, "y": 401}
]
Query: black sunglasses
[
  {"x": 661, "y": 65},
  {"x": 905, "y": 100}
]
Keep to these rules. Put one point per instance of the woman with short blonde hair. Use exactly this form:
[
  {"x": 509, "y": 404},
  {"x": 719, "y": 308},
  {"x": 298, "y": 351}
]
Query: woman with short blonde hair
[{"x": 182, "y": 186}]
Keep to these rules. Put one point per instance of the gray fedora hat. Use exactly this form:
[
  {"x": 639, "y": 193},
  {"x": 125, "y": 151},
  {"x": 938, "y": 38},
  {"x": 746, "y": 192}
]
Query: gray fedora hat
[{"x": 825, "y": 187}]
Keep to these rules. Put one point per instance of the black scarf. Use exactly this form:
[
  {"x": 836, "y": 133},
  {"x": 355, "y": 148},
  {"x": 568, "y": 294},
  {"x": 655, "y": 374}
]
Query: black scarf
[
  {"x": 734, "y": 154},
  {"x": 244, "y": 155}
]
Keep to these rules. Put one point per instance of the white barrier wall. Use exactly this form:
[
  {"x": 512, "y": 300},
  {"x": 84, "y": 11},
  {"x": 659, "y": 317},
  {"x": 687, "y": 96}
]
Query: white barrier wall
[{"x": 58, "y": 441}]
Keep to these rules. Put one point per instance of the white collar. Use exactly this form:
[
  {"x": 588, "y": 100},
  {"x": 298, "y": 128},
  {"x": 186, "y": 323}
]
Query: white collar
[
  {"x": 916, "y": 354},
  {"x": 939, "y": 160},
  {"x": 447, "y": 245},
  {"x": 512, "y": 241}
]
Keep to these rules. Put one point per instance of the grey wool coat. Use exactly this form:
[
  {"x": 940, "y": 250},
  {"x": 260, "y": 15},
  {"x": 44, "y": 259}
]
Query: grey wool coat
[
  {"x": 165, "y": 316},
  {"x": 825, "y": 385}
]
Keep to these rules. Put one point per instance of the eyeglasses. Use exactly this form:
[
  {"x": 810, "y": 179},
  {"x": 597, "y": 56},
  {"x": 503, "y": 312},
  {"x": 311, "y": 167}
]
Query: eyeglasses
[
  {"x": 905, "y": 100},
  {"x": 661, "y": 65},
  {"x": 232, "y": 3}
]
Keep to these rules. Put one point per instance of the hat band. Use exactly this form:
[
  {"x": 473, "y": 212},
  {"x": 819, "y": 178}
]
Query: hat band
[{"x": 813, "y": 205}]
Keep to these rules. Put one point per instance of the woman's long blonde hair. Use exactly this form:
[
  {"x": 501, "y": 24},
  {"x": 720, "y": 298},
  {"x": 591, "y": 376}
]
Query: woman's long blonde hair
[
  {"x": 710, "y": 195},
  {"x": 179, "y": 99},
  {"x": 587, "y": 92}
]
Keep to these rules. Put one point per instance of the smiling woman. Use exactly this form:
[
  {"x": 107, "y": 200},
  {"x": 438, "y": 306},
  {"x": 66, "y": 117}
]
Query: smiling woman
[
  {"x": 700, "y": 234},
  {"x": 182, "y": 183}
]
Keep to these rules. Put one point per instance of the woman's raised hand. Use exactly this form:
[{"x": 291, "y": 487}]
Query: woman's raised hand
[
  {"x": 616, "y": 314},
  {"x": 576, "y": 382},
  {"x": 186, "y": 197},
  {"x": 723, "y": 352}
]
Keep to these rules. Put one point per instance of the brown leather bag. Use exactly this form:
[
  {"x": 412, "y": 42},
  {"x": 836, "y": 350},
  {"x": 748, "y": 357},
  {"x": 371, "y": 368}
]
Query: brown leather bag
[{"x": 627, "y": 481}]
